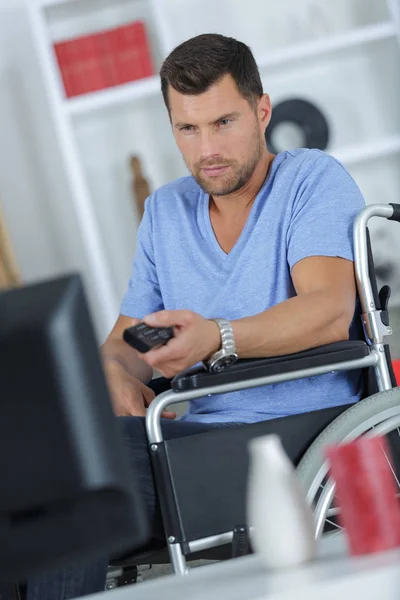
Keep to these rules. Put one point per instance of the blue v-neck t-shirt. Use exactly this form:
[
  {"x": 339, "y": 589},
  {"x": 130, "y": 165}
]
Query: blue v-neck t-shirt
[{"x": 306, "y": 207}]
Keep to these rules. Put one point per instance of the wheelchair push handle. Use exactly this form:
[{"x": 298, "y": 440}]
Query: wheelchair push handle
[{"x": 396, "y": 212}]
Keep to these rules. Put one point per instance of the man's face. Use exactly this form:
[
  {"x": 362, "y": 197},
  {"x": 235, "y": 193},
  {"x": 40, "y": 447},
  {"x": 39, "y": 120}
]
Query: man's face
[{"x": 220, "y": 135}]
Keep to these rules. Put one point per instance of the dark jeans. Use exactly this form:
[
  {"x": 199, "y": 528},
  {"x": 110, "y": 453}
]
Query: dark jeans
[{"x": 78, "y": 580}]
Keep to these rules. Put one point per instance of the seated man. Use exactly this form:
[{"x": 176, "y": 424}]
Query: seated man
[{"x": 263, "y": 242}]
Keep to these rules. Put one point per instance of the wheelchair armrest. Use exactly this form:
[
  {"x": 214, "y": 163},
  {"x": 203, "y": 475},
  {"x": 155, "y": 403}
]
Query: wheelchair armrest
[{"x": 198, "y": 377}]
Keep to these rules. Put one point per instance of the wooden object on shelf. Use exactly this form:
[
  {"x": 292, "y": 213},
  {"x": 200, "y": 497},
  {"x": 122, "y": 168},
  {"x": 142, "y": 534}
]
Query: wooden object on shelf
[
  {"x": 140, "y": 185},
  {"x": 9, "y": 273}
]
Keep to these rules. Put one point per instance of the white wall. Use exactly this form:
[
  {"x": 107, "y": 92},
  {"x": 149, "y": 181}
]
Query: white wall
[
  {"x": 33, "y": 187},
  {"x": 23, "y": 190}
]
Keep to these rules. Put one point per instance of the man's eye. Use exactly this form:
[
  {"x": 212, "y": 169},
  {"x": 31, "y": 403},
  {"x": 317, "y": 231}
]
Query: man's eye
[
  {"x": 224, "y": 122},
  {"x": 187, "y": 128}
]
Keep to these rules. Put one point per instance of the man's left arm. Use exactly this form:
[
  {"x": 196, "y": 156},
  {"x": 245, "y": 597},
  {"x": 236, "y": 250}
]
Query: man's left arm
[
  {"x": 320, "y": 258},
  {"x": 320, "y": 314}
]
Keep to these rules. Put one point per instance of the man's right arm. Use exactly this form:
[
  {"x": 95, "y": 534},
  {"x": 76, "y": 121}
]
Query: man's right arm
[
  {"x": 116, "y": 350},
  {"x": 126, "y": 374}
]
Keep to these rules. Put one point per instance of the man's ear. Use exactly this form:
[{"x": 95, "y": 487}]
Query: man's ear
[{"x": 264, "y": 110}]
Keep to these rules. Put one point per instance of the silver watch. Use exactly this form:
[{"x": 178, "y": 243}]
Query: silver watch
[{"x": 226, "y": 355}]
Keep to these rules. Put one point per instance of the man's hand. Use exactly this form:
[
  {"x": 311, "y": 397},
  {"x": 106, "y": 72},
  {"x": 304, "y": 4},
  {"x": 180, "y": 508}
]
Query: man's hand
[
  {"x": 130, "y": 397},
  {"x": 195, "y": 339}
]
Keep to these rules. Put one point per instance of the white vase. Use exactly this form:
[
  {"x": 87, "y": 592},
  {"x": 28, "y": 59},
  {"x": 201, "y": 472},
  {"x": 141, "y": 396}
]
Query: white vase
[{"x": 280, "y": 520}]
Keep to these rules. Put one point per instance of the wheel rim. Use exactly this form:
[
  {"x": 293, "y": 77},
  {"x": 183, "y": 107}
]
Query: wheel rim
[{"x": 322, "y": 490}]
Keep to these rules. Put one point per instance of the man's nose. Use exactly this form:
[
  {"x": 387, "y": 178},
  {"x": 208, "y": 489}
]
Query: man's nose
[{"x": 209, "y": 147}]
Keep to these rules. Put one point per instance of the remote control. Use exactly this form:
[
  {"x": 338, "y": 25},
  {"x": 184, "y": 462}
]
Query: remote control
[{"x": 143, "y": 338}]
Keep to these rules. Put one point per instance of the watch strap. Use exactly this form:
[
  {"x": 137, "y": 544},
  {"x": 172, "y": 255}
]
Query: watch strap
[{"x": 227, "y": 336}]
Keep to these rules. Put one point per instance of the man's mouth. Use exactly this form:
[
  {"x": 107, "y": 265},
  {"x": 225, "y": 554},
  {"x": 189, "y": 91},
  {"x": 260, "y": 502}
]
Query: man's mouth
[{"x": 215, "y": 171}]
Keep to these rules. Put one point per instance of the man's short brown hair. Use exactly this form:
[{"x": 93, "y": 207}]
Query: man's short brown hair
[{"x": 197, "y": 64}]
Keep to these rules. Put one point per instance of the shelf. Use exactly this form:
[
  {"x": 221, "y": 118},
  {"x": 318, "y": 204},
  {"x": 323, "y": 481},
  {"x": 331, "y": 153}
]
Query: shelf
[
  {"x": 50, "y": 3},
  {"x": 361, "y": 153},
  {"x": 138, "y": 90},
  {"x": 364, "y": 35},
  {"x": 54, "y": 3},
  {"x": 113, "y": 96}
]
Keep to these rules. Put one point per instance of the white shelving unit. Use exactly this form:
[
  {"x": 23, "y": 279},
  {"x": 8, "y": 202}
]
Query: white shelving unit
[
  {"x": 149, "y": 87},
  {"x": 345, "y": 41},
  {"x": 104, "y": 119},
  {"x": 113, "y": 97},
  {"x": 380, "y": 149}
]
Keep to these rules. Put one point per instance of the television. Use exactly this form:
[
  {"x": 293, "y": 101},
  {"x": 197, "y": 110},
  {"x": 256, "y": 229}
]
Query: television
[{"x": 67, "y": 491}]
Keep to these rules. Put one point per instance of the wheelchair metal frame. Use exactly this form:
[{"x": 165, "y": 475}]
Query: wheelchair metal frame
[{"x": 375, "y": 331}]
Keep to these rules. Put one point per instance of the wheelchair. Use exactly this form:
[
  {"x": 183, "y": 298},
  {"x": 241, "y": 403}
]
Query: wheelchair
[{"x": 208, "y": 518}]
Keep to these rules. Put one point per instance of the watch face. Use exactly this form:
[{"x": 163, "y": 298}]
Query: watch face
[{"x": 223, "y": 362}]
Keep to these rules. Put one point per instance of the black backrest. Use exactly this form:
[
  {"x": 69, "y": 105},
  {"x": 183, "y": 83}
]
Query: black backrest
[
  {"x": 371, "y": 386},
  {"x": 372, "y": 273}
]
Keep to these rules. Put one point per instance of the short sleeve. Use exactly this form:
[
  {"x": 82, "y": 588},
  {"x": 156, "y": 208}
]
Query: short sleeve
[
  {"x": 323, "y": 213},
  {"x": 143, "y": 295}
]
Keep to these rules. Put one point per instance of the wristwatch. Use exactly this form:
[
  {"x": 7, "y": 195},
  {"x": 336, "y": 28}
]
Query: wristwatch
[{"x": 226, "y": 355}]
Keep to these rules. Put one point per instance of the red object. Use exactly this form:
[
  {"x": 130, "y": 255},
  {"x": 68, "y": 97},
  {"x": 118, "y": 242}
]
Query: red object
[
  {"x": 88, "y": 74},
  {"x": 129, "y": 49},
  {"x": 366, "y": 494},
  {"x": 396, "y": 369},
  {"x": 80, "y": 64},
  {"x": 104, "y": 59}
]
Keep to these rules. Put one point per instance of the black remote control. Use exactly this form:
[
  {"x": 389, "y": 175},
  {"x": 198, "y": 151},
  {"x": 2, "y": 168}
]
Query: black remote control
[{"x": 143, "y": 338}]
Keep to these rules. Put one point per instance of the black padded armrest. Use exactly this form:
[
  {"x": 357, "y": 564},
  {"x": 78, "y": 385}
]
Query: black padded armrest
[{"x": 198, "y": 377}]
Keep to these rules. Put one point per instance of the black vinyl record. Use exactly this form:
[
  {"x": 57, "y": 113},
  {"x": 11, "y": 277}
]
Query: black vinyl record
[{"x": 302, "y": 115}]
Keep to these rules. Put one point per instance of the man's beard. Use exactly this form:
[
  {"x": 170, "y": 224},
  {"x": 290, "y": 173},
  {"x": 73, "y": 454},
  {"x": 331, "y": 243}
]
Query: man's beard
[{"x": 238, "y": 174}]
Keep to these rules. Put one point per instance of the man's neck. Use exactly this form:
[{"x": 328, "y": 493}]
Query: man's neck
[{"x": 241, "y": 200}]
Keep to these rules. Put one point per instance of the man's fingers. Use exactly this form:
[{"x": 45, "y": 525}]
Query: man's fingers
[
  {"x": 168, "y": 318},
  {"x": 171, "y": 370},
  {"x": 148, "y": 395},
  {"x": 168, "y": 415},
  {"x": 169, "y": 352}
]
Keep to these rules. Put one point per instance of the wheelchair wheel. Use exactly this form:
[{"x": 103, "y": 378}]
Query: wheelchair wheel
[{"x": 378, "y": 414}]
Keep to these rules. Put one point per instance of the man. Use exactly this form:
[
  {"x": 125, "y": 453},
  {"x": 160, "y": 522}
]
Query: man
[{"x": 261, "y": 241}]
